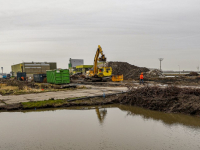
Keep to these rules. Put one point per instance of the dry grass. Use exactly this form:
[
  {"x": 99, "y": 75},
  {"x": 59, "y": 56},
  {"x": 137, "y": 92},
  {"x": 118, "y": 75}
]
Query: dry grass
[
  {"x": 4, "y": 89},
  {"x": 27, "y": 89},
  {"x": 15, "y": 90},
  {"x": 2, "y": 85},
  {"x": 9, "y": 88}
]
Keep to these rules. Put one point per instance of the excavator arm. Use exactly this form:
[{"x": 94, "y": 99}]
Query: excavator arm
[{"x": 97, "y": 58}]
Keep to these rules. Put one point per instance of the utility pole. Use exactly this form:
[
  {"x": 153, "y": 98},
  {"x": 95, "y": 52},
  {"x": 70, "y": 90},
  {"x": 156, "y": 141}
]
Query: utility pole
[
  {"x": 179, "y": 69},
  {"x": 2, "y": 70},
  {"x": 198, "y": 69},
  {"x": 160, "y": 59}
]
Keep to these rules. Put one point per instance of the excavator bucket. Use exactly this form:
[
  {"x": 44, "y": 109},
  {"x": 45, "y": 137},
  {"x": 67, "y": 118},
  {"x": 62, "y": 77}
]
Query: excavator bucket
[{"x": 102, "y": 58}]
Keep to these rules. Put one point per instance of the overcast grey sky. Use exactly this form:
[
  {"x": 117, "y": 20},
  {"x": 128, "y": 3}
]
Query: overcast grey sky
[{"x": 135, "y": 31}]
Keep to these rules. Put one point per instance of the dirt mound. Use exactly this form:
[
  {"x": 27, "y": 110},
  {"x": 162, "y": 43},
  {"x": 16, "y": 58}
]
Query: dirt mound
[
  {"x": 169, "y": 99},
  {"x": 192, "y": 74},
  {"x": 154, "y": 73},
  {"x": 129, "y": 71}
]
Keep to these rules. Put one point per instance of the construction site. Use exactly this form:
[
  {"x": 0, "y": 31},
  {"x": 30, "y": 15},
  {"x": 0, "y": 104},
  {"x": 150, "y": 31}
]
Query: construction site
[
  {"x": 99, "y": 75},
  {"x": 42, "y": 85}
]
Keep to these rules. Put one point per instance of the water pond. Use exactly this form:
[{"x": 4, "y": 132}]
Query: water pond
[{"x": 117, "y": 127}]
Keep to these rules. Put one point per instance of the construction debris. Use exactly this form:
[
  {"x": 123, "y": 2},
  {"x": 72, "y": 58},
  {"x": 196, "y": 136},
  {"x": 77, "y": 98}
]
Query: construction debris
[{"x": 154, "y": 73}]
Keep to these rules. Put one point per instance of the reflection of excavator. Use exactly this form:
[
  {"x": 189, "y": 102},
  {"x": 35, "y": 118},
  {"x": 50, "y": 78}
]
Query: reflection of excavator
[
  {"x": 102, "y": 73},
  {"x": 101, "y": 114}
]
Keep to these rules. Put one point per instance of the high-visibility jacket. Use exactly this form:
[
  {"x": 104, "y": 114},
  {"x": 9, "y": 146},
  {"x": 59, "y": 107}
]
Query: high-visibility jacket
[{"x": 141, "y": 76}]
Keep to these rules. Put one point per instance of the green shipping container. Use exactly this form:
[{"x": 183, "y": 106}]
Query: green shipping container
[{"x": 58, "y": 76}]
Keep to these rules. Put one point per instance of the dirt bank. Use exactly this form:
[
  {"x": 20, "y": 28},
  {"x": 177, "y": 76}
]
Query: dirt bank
[
  {"x": 170, "y": 99},
  {"x": 84, "y": 101}
]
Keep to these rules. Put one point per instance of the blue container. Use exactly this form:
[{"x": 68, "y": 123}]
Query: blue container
[
  {"x": 39, "y": 77},
  {"x": 21, "y": 74},
  {"x": 4, "y": 76}
]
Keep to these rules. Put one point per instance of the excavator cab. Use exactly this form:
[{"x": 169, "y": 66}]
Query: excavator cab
[{"x": 104, "y": 71}]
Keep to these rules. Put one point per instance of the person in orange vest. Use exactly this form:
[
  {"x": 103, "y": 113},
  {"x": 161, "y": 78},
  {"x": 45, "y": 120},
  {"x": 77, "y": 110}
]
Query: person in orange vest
[
  {"x": 141, "y": 78},
  {"x": 22, "y": 78}
]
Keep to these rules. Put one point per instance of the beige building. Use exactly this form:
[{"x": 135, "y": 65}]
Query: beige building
[{"x": 33, "y": 67}]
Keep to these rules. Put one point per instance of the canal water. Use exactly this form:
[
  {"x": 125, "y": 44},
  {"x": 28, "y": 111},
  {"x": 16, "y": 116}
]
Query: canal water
[{"x": 118, "y": 127}]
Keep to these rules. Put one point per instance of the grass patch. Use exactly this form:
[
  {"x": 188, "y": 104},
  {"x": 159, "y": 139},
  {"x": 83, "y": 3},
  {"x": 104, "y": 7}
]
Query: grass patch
[
  {"x": 5, "y": 90},
  {"x": 42, "y": 104},
  {"x": 47, "y": 103},
  {"x": 14, "y": 90}
]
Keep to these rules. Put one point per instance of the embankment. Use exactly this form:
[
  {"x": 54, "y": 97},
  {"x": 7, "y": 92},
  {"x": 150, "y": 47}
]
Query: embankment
[{"x": 169, "y": 99}]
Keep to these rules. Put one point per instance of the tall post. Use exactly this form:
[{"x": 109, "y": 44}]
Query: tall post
[
  {"x": 160, "y": 59},
  {"x": 41, "y": 67},
  {"x": 2, "y": 70}
]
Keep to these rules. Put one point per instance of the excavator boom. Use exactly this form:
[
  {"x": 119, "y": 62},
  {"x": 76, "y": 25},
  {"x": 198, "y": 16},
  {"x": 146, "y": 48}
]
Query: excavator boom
[{"x": 97, "y": 58}]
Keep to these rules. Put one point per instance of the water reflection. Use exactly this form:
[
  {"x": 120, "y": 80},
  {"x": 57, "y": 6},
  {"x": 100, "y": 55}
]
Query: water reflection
[
  {"x": 167, "y": 118},
  {"x": 92, "y": 128},
  {"x": 101, "y": 114}
]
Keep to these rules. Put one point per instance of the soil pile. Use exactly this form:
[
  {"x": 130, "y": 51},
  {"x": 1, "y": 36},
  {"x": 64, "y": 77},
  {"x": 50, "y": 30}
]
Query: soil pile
[
  {"x": 192, "y": 74},
  {"x": 169, "y": 99},
  {"x": 154, "y": 73},
  {"x": 129, "y": 71}
]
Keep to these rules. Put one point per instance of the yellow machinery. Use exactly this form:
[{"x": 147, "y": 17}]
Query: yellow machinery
[
  {"x": 117, "y": 78},
  {"x": 102, "y": 73}
]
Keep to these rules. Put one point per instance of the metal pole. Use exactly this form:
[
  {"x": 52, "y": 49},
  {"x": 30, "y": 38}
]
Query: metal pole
[
  {"x": 160, "y": 59},
  {"x": 160, "y": 65}
]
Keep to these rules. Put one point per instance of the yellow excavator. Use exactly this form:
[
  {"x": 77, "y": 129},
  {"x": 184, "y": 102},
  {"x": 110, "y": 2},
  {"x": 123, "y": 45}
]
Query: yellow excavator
[{"x": 101, "y": 73}]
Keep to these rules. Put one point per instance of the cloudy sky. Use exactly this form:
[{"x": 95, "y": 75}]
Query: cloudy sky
[{"x": 135, "y": 31}]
